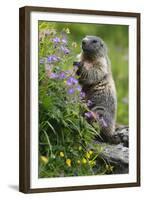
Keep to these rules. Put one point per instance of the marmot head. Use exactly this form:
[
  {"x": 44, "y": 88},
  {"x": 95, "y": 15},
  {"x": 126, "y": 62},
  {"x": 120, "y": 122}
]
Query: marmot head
[{"x": 94, "y": 46}]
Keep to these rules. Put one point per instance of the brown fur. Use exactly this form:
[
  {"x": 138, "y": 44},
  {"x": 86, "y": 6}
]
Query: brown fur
[{"x": 97, "y": 82}]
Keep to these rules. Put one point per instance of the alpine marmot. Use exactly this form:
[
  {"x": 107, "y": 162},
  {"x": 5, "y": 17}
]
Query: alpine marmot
[{"x": 95, "y": 77}]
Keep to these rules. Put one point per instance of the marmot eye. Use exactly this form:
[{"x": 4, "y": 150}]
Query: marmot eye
[{"x": 94, "y": 41}]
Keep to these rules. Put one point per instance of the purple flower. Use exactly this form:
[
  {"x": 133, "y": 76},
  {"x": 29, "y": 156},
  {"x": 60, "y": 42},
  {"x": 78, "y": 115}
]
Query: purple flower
[
  {"x": 65, "y": 50},
  {"x": 56, "y": 40},
  {"x": 47, "y": 32},
  {"x": 71, "y": 91},
  {"x": 101, "y": 120},
  {"x": 77, "y": 64},
  {"x": 53, "y": 75},
  {"x": 82, "y": 95},
  {"x": 69, "y": 72},
  {"x": 72, "y": 81},
  {"x": 88, "y": 115},
  {"x": 79, "y": 88},
  {"x": 75, "y": 68},
  {"x": 62, "y": 75},
  {"x": 64, "y": 41},
  {"x": 89, "y": 103},
  {"x": 53, "y": 58},
  {"x": 48, "y": 67}
]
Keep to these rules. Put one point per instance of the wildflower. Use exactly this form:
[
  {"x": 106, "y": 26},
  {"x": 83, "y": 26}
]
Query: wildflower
[
  {"x": 92, "y": 162},
  {"x": 76, "y": 64},
  {"x": 89, "y": 103},
  {"x": 47, "y": 66},
  {"x": 78, "y": 161},
  {"x": 80, "y": 148},
  {"x": 74, "y": 44},
  {"x": 71, "y": 91},
  {"x": 87, "y": 155},
  {"x": 101, "y": 120},
  {"x": 75, "y": 68},
  {"x": 62, "y": 75},
  {"x": 109, "y": 168},
  {"x": 47, "y": 32},
  {"x": 44, "y": 159},
  {"x": 56, "y": 40},
  {"x": 88, "y": 115},
  {"x": 82, "y": 95},
  {"x": 72, "y": 81},
  {"x": 53, "y": 58},
  {"x": 53, "y": 75},
  {"x": 68, "y": 162},
  {"x": 90, "y": 152},
  {"x": 65, "y": 50},
  {"x": 64, "y": 41},
  {"x": 68, "y": 72},
  {"x": 61, "y": 154},
  {"x": 67, "y": 30},
  {"x": 84, "y": 161},
  {"x": 79, "y": 88}
]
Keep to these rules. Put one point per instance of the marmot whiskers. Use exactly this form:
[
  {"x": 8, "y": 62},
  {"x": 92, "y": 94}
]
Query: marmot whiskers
[{"x": 96, "y": 79}]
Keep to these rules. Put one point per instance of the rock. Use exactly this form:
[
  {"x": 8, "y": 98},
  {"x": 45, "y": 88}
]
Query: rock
[{"x": 117, "y": 154}]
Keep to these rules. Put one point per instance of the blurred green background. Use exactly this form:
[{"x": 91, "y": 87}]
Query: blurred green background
[{"x": 116, "y": 38}]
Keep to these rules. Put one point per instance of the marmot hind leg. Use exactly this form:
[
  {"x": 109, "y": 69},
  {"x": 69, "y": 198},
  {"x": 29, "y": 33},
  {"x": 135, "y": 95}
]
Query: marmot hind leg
[
  {"x": 107, "y": 125},
  {"x": 108, "y": 132}
]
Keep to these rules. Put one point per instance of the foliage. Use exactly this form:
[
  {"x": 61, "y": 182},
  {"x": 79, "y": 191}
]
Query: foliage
[{"x": 64, "y": 132}]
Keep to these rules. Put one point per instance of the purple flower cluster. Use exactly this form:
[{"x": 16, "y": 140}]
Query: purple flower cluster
[
  {"x": 56, "y": 40},
  {"x": 71, "y": 81},
  {"x": 71, "y": 91},
  {"x": 54, "y": 75},
  {"x": 53, "y": 58},
  {"x": 88, "y": 115},
  {"x": 65, "y": 50},
  {"x": 60, "y": 75}
]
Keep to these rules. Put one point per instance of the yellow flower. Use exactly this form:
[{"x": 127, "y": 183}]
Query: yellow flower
[
  {"x": 80, "y": 148},
  {"x": 44, "y": 159},
  {"x": 84, "y": 161},
  {"x": 87, "y": 155},
  {"x": 74, "y": 44},
  {"x": 61, "y": 154},
  {"x": 68, "y": 162},
  {"x": 67, "y": 30},
  {"x": 78, "y": 161},
  {"x": 92, "y": 163},
  {"x": 90, "y": 152}
]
